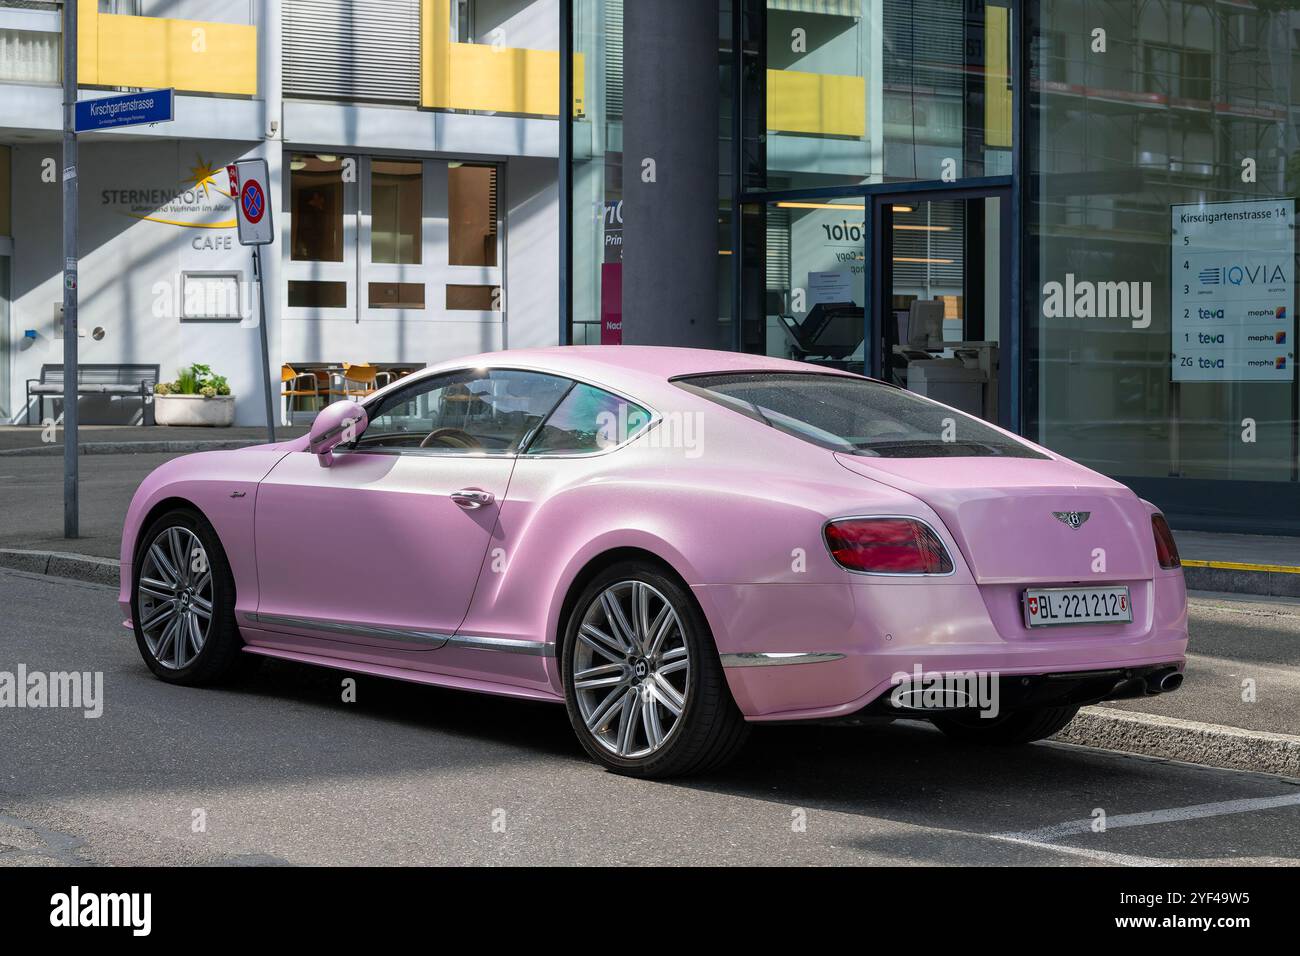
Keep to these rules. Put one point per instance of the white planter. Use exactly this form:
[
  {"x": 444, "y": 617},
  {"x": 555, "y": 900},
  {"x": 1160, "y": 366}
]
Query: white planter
[{"x": 218, "y": 412}]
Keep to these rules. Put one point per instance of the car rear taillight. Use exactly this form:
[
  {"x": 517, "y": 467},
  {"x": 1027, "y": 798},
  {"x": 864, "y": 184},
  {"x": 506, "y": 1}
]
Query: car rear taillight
[
  {"x": 1166, "y": 550},
  {"x": 887, "y": 546}
]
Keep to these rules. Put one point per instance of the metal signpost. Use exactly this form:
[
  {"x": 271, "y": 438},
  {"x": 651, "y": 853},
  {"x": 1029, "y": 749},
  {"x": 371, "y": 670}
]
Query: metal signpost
[
  {"x": 70, "y": 505},
  {"x": 250, "y": 187},
  {"x": 131, "y": 109}
]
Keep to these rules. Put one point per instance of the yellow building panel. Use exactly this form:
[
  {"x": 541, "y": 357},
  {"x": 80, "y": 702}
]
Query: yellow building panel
[
  {"x": 88, "y": 42},
  {"x": 435, "y": 58},
  {"x": 997, "y": 91},
  {"x": 191, "y": 55},
  {"x": 507, "y": 80},
  {"x": 816, "y": 103},
  {"x": 480, "y": 76}
]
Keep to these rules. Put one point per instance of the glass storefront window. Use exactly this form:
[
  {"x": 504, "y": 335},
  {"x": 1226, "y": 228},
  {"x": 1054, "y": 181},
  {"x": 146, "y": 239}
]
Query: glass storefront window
[
  {"x": 396, "y": 295},
  {"x": 869, "y": 91},
  {"x": 396, "y": 211},
  {"x": 472, "y": 215},
  {"x": 813, "y": 293},
  {"x": 474, "y": 298},
  {"x": 597, "y": 212},
  {"x": 317, "y": 207},
  {"x": 1160, "y": 269},
  {"x": 310, "y": 294}
]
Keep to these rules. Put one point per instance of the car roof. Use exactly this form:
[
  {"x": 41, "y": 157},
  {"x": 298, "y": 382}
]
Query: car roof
[{"x": 627, "y": 365}]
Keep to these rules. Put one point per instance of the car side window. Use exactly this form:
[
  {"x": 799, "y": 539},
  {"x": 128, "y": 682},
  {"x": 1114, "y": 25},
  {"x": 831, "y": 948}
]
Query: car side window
[
  {"x": 468, "y": 412},
  {"x": 589, "y": 419}
]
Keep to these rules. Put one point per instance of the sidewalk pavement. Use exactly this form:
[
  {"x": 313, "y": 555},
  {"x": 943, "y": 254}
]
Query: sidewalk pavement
[
  {"x": 1236, "y": 637},
  {"x": 23, "y": 441}
]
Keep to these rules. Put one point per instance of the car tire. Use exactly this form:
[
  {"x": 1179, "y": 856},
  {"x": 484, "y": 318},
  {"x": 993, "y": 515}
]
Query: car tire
[
  {"x": 640, "y": 683},
  {"x": 1017, "y": 727},
  {"x": 192, "y": 592}
]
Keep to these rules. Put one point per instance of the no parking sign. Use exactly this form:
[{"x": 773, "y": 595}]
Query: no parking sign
[{"x": 250, "y": 188}]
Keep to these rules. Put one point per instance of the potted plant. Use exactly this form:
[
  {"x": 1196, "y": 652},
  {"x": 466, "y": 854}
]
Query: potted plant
[{"x": 197, "y": 397}]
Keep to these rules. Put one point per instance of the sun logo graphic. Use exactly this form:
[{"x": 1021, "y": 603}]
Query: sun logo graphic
[{"x": 200, "y": 203}]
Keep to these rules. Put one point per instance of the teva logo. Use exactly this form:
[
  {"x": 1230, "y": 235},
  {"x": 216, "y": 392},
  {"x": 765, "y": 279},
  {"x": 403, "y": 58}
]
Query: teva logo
[
  {"x": 1084, "y": 299},
  {"x": 933, "y": 690},
  {"x": 76, "y": 909}
]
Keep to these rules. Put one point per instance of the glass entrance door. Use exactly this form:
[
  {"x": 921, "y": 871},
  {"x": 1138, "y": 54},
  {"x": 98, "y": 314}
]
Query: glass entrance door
[
  {"x": 941, "y": 307},
  {"x": 813, "y": 276}
]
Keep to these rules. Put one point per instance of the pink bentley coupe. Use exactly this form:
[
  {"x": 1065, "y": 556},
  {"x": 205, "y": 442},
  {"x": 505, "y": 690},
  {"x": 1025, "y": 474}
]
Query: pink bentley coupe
[{"x": 673, "y": 543}]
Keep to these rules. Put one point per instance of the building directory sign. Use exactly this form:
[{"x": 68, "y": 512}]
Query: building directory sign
[
  {"x": 126, "y": 109},
  {"x": 1233, "y": 291}
]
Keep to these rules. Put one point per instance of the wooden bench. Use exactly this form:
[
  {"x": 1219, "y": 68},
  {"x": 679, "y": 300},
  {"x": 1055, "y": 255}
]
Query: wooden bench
[{"x": 127, "y": 380}]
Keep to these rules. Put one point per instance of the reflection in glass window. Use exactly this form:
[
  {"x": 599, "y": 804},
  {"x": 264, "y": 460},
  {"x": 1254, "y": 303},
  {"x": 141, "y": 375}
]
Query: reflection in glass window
[
  {"x": 856, "y": 416},
  {"x": 316, "y": 207},
  {"x": 474, "y": 298},
  {"x": 870, "y": 92},
  {"x": 588, "y": 420},
  {"x": 396, "y": 295},
  {"x": 304, "y": 294},
  {"x": 472, "y": 215},
  {"x": 472, "y": 412},
  {"x": 396, "y": 211}
]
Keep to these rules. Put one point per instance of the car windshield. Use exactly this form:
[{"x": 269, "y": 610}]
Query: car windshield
[{"x": 856, "y": 415}]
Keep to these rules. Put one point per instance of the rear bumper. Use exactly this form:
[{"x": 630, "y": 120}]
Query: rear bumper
[{"x": 800, "y": 652}]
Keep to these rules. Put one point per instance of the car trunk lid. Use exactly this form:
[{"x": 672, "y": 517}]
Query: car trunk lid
[{"x": 1003, "y": 514}]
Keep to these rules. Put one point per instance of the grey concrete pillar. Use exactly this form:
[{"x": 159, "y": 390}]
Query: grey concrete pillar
[{"x": 670, "y": 116}]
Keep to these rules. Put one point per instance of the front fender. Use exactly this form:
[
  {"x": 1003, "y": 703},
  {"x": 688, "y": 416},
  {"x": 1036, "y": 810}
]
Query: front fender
[{"x": 222, "y": 486}]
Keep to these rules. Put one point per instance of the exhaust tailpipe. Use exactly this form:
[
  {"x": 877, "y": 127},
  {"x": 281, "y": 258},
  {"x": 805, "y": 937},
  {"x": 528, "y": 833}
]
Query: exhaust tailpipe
[{"x": 1163, "y": 682}]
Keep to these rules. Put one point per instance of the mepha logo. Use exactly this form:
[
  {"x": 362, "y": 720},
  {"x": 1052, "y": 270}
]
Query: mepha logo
[{"x": 74, "y": 908}]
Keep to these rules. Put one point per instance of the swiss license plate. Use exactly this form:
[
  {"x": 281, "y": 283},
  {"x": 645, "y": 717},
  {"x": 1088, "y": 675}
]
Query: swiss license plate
[{"x": 1046, "y": 606}]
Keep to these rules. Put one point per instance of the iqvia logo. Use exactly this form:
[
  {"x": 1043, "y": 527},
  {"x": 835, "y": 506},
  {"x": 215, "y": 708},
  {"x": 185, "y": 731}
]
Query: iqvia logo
[{"x": 1258, "y": 274}]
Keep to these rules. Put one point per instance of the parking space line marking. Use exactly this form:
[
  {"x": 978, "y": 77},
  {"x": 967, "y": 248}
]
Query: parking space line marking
[
  {"x": 1098, "y": 856},
  {"x": 1172, "y": 815}
]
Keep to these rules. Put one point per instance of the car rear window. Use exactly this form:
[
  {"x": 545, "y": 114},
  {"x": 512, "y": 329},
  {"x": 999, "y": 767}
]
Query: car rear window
[{"x": 856, "y": 415}]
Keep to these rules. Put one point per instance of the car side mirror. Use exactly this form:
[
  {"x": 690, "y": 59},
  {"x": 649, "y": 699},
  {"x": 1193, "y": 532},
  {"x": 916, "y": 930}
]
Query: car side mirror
[{"x": 341, "y": 422}]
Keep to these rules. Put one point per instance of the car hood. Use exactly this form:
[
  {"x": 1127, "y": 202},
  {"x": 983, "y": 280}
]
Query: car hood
[{"x": 1001, "y": 512}]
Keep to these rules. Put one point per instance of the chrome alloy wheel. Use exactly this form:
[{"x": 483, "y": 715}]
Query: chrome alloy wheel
[
  {"x": 174, "y": 597},
  {"x": 631, "y": 669}
]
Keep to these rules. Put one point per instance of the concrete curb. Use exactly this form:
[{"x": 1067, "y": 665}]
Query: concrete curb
[
  {"x": 1212, "y": 745},
  {"x": 135, "y": 447},
  {"x": 79, "y": 567},
  {"x": 1236, "y": 579}
]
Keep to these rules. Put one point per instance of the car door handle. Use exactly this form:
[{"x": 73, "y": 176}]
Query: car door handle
[{"x": 472, "y": 497}]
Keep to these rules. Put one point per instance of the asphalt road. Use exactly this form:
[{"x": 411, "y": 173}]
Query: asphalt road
[
  {"x": 31, "y": 501},
  {"x": 283, "y": 771},
  {"x": 1243, "y": 665}
]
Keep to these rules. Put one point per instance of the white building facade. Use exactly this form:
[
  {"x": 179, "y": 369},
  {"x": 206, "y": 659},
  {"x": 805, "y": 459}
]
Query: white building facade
[{"x": 412, "y": 147}]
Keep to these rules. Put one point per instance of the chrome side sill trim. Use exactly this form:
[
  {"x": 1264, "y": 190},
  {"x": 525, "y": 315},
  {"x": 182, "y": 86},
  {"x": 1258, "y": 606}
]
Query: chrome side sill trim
[
  {"x": 409, "y": 635},
  {"x": 769, "y": 658},
  {"x": 509, "y": 645}
]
